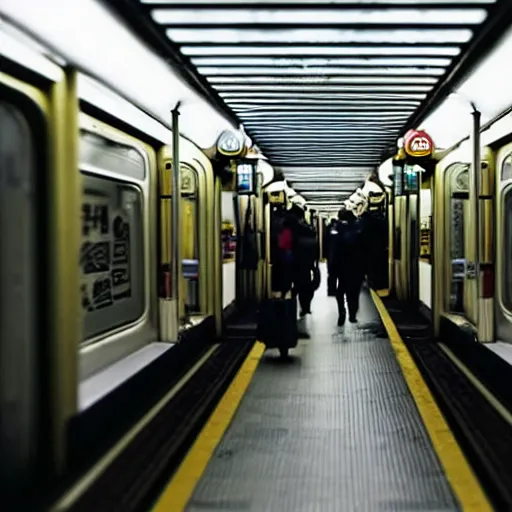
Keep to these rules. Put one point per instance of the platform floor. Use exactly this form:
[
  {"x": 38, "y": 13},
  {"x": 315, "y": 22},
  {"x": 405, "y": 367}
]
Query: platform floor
[{"x": 335, "y": 429}]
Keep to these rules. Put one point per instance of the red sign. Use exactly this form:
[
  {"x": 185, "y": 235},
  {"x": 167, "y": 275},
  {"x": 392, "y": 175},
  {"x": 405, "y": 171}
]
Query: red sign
[{"x": 418, "y": 143}]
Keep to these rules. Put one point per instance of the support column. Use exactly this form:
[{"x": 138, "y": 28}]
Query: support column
[{"x": 176, "y": 221}]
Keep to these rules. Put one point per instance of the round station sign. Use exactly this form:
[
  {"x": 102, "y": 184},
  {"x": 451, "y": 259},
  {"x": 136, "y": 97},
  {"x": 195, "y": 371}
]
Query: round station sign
[
  {"x": 418, "y": 143},
  {"x": 230, "y": 143}
]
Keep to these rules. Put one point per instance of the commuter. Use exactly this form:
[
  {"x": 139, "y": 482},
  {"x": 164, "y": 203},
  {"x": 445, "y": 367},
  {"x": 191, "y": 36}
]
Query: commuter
[
  {"x": 348, "y": 264},
  {"x": 331, "y": 233},
  {"x": 283, "y": 258},
  {"x": 305, "y": 258}
]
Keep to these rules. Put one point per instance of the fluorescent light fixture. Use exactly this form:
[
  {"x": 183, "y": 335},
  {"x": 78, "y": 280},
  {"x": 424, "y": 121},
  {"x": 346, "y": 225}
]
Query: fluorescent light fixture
[
  {"x": 331, "y": 71},
  {"x": 257, "y": 88},
  {"x": 340, "y": 130},
  {"x": 451, "y": 122},
  {"x": 286, "y": 127},
  {"x": 294, "y": 114},
  {"x": 326, "y": 193},
  {"x": 420, "y": 16},
  {"x": 233, "y": 36},
  {"x": 322, "y": 108},
  {"x": 312, "y": 149},
  {"x": 17, "y": 47},
  {"x": 294, "y": 104},
  {"x": 327, "y": 80},
  {"x": 326, "y": 123},
  {"x": 272, "y": 141},
  {"x": 292, "y": 171},
  {"x": 308, "y": 2},
  {"x": 327, "y": 173},
  {"x": 335, "y": 141},
  {"x": 317, "y": 183},
  {"x": 271, "y": 97},
  {"x": 301, "y": 51},
  {"x": 334, "y": 61},
  {"x": 86, "y": 34}
]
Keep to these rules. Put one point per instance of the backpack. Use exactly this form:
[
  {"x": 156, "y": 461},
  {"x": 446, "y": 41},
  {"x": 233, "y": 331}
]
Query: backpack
[
  {"x": 306, "y": 243},
  {"x": 281, "y": 239}
]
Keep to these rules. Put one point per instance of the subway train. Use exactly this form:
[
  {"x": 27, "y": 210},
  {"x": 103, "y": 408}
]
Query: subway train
[
  {"x": 112, "y": 292},
  {"x": 449, "y": 232},
  {"x": 98, "y": 320}
]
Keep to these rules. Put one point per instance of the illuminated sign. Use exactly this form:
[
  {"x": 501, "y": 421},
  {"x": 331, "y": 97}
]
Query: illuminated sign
[
  {"x": 245, "y": 178},
  {"x": 230, "y": 143},
  {"x": 418, "y": 144}
]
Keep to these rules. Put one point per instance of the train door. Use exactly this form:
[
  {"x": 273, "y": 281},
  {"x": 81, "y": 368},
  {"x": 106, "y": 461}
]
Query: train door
[
  {"x": 190, "y": 242},
  {"x": 458, "y": 234},
  {"x": 22, "y": 164},
  {"x": 196, "y": 231},
  {"x": 406, "y": 234},
  {"x": 400, "y": 244},
  {"x": 503, "y": 297},
  {"x": 39, "y": 301},
  {"x": 412, "y": 255}
]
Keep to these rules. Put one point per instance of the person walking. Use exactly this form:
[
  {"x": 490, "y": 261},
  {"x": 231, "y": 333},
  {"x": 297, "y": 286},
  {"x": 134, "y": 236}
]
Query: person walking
[{"x": 348, "y": 264}]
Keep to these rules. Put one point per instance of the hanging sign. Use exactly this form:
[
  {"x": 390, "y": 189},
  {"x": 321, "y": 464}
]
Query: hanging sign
[
  {"x": 231, "y": 143},
  {"x": 418, "y": 144}
]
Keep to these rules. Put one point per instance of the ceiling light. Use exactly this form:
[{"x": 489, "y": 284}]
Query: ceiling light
[
  {"x": 330, "y": 71},
  {"x": 288, "y": 51},
  {"x": 212, "y": 16},
  {"x": 233, "y": 36}
]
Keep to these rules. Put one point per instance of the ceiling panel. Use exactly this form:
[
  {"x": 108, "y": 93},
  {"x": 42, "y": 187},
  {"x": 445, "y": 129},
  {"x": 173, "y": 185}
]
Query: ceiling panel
[{"x": 322, "y": 83}]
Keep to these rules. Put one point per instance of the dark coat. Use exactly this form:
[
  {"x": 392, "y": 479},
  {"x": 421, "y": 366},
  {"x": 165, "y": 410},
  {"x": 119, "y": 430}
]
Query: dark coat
[{"x": 348, "y": 254}]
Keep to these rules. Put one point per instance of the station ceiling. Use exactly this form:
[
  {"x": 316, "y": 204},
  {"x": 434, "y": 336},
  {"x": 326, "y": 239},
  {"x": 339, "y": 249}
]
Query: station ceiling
[{"x": 325, "y": 85}]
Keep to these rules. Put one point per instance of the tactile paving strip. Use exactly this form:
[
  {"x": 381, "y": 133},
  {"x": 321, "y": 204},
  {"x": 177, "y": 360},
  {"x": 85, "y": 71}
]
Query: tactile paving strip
[{"x": 335, "y": 429}]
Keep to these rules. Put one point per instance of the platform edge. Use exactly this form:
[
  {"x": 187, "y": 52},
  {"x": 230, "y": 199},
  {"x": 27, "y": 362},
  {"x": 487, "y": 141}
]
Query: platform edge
[
  {"x": 180, "y": 488},
  {"x": 459, "y": 474}
]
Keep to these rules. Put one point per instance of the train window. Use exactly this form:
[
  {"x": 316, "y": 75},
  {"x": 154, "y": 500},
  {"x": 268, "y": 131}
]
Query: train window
[
  {"x": 112, "y": 258},
  {"x": 506, "y": 169},
  {"x": 102, "y": 153},
  {"x": 190, "y": 238},
  {"x": 507, "y": 259},
  {"x": 458, "y": 182}
]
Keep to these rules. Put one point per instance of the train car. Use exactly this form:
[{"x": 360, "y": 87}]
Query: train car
[
  {"x": 93, "y": 329},
  {"x": 449, "y": 225}
]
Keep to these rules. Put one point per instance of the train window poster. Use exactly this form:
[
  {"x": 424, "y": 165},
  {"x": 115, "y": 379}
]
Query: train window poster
[{"x": 110, "y": 255}]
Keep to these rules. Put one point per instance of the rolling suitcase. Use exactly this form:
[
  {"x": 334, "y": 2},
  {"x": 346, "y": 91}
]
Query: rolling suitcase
[{"x": 277, "y": 323}]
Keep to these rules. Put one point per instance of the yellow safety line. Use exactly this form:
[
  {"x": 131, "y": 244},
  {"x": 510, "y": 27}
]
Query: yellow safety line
[
  {"x": 180, "y": 488},
  {"x": 458, "y": 472}
]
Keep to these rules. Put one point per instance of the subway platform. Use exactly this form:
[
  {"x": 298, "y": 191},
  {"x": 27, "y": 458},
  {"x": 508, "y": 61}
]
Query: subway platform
[{"x": 347, "y": 424}]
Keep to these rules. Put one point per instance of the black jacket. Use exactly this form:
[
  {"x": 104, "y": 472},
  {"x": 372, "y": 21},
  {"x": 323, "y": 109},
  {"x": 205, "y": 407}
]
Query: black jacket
[{"x": 348, "y": 254}]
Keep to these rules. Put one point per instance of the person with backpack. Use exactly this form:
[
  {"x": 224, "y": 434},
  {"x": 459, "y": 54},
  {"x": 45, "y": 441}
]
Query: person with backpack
[
  {"x": 282, "y": 247},
  {"x": 348, "y": 264},
  {"x": 305, "y": 258}
]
